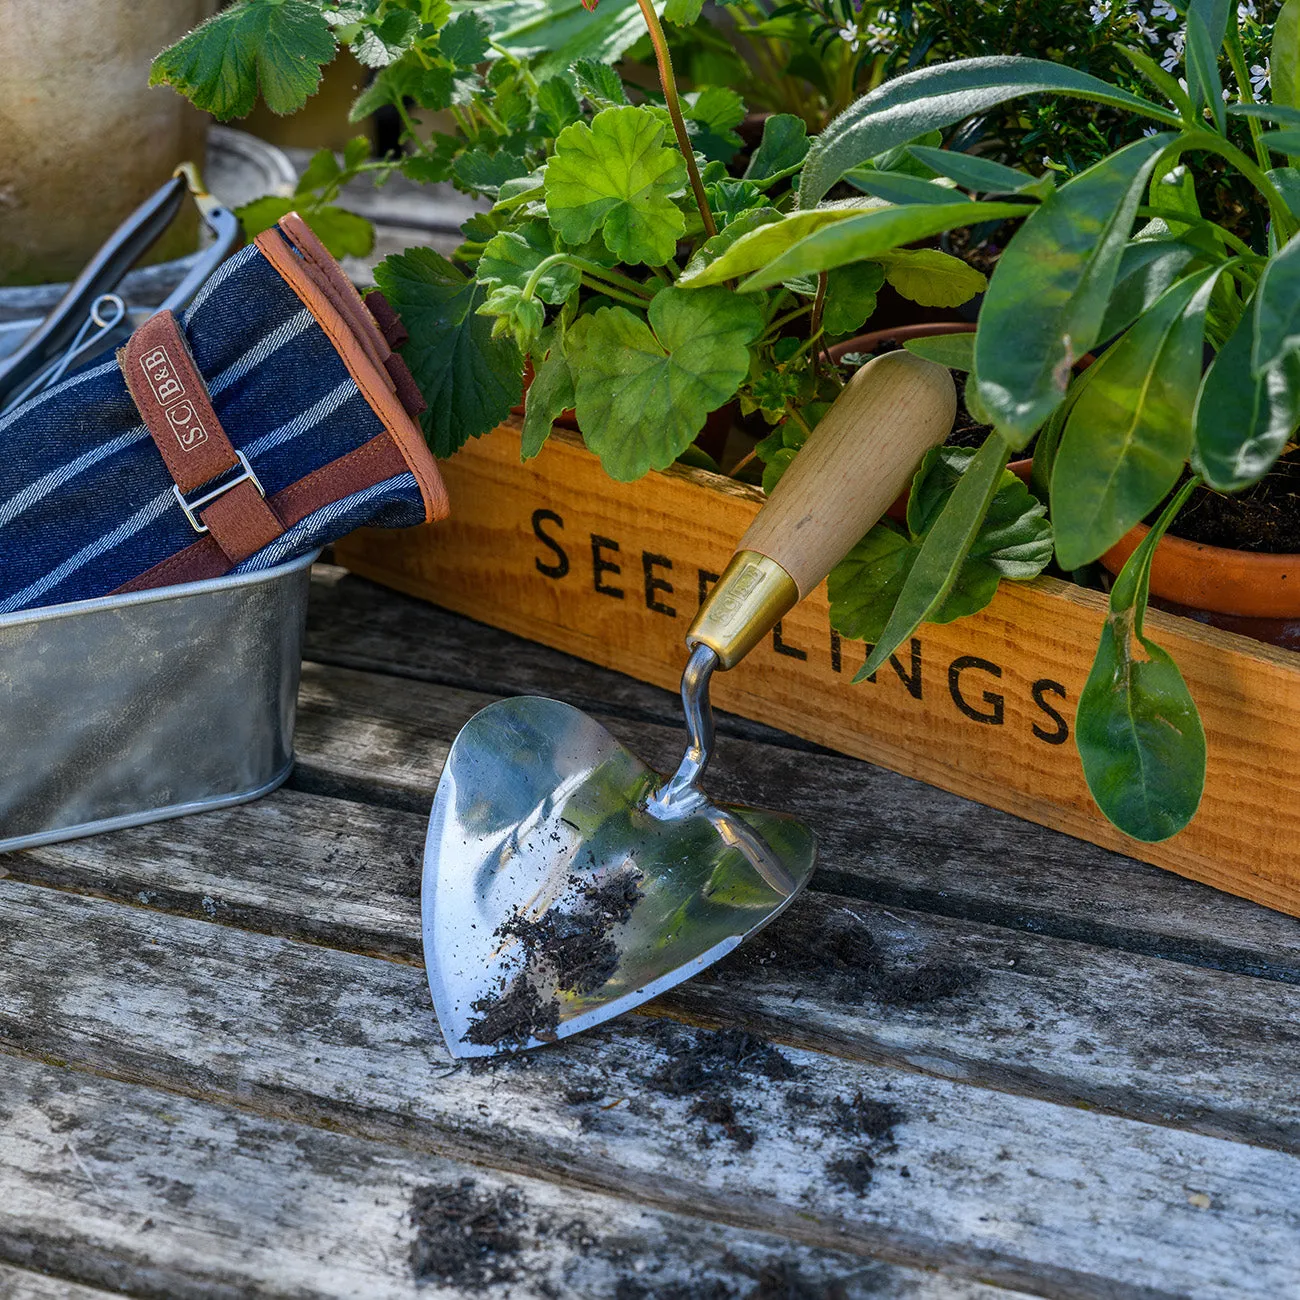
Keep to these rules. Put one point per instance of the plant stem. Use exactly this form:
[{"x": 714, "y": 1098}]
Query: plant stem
[
  {"x": 586, "y": 267},
  {"x": 1237, "y": 57},
  {"x": 1213, "y": 143},
  {"x": 783, "y": 321},
  {"x": 664, "y": 59},
  {"x": 616, "y": 294}
]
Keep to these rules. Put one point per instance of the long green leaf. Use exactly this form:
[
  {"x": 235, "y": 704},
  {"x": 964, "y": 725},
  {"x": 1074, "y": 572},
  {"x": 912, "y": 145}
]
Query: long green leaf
[
  {"x": 1129, "y": 434},
  {"x": 1207, "y": 23},
  {"x": 937, "y": 567},
  {"x": 868, "y": 234},
  {"x": 1284, "y": 62},
  {"x": 560, "y": 32},
  {"x": 1243, "y": 420},
  {"x": 1277, "y": 310},
  {"x": 940, "y": 96},
  {"x": 1137, "y": 728},
  {"x": 746, "y": 250},
  {"x": 1047, "y": 299},
  {"x": 982, "y": 175},
  {"x": 899, "y": 187},
  {"x": 1146, "y": 269}
]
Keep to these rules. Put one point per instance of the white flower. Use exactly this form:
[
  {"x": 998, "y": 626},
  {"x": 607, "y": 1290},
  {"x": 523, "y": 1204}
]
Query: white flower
[
  {"x": 1247, "y": 9},
  {"x": 1173, "y": 55},
  {"x": 1260, "y": 77},
  {"x": 1098, "y": 12},
  {"x": 1163, "y": 9},
  {"x": 851, "y": 37}
]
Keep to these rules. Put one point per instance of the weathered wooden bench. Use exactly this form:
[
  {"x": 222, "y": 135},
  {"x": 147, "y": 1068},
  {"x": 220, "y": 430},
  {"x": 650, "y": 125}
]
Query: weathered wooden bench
[{"x": 976, "y": 1058}]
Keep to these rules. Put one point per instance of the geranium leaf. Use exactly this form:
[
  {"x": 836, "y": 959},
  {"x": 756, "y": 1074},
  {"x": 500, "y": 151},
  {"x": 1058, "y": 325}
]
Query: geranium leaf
[
  {"x": 465, "y": 39},
  {"x": 932, "y": 278},
  {"x": 644, "y": 390},
  {"x": 599, "y": 84},
  {"x": 1047, "y": 299},
  {"x": 486, "y": 172},
  {"x": 683, "y": 12},
  {"x": 780, "y": 152},
  {"x": 344, "y": 233},
  {"x": 379, "y": 45},
  {"x": 617, "y": 176},
  {"x": 277, "y": 47},
  {"x": 557, "y": 104},
  {"x": 549, "y": 396},
  {"x": 513, "y": 255},
  {"x": 469, "y": 379},
  {"x": 1130, "y": 431},
  {"x": 851, "y": 297}
]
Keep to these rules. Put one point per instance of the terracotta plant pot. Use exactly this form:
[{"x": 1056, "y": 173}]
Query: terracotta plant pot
[{"x": 1252, "y": 594}]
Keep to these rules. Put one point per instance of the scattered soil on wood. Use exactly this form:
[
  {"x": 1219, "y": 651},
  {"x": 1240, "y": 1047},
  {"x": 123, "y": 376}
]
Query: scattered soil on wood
[
  {"x": 845, "y": 958},
  {"x": 706, "y": 1067},
  {"x": 853, "y": 1172},
  {"x": 1264, "y": 518},
  {"x": 570, "y": 948},
  {"x": 466, "y": 1238},
  {"x": 469, "y": 1239},
  {"x": 777, "y": 1279}
]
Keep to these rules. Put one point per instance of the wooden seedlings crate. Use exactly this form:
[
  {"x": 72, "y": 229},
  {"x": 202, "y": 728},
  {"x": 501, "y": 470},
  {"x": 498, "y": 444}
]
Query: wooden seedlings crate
[{"x": 556, "y": 552}]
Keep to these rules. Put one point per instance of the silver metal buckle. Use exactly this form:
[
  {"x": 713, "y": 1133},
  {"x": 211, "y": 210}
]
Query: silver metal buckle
[{"x": 192, "y": 508}]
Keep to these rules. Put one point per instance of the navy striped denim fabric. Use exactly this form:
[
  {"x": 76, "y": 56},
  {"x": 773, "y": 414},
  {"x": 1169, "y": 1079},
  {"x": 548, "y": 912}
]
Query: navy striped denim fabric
[{"x": 86, "y": 502}]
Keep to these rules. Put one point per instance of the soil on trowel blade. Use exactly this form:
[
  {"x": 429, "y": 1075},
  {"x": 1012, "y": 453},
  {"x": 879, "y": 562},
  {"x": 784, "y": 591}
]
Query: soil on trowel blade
[{"x": 569, "y": 949}]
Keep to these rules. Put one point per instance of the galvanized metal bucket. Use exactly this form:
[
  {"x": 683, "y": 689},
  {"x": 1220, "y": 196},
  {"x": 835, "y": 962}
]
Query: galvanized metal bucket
[{"x": 130, "y": 709}]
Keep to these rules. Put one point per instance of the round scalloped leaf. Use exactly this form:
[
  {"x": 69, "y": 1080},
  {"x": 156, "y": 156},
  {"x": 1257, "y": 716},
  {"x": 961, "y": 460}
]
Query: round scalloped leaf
[
  {"x": 644, "y": 390},
  {"x": 618, "y": 177}
]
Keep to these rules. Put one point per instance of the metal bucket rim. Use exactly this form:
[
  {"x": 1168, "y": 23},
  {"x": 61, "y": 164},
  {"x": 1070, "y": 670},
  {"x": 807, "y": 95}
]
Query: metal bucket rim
[{"x": 231, "y": 581}]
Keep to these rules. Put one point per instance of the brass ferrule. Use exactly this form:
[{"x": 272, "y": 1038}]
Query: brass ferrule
[{"x": 747, "y": 602}]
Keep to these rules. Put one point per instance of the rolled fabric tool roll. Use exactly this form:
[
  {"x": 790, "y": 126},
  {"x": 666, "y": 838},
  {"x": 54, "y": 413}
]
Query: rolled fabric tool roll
[{"x": 272, "y": 417}]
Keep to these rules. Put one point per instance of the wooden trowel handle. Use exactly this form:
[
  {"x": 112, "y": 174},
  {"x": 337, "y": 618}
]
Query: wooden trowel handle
[{"x": 857, "y": 460}]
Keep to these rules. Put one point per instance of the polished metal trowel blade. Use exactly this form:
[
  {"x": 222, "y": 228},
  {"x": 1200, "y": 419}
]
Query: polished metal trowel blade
[{"x": 554, "y": 899}]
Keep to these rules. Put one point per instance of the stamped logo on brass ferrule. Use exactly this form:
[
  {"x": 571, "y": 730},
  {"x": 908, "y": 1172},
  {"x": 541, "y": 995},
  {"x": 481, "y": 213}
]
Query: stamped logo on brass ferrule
[
  {"x": 168, "y": 386},
  {"x": 732, "y": 597}
]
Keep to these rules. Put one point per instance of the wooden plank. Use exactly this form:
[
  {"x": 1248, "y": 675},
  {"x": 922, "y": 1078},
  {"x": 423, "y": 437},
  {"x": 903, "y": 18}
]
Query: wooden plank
[
  {"x": 981, "y": 707},
  {"x": 20, "y": 1284},
  {"x": 1209, "y": 1052},
  {"x": 883, "y": 837},
  {"x": 985, "y": 1186},
  {"x": 142, "y": 1191}
]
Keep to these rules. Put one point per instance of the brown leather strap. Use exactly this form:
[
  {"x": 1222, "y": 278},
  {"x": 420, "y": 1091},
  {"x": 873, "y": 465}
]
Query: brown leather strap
[
  {"x": 389, "y": 322},
  {"x": 373, "y": 462},
  {"x": 173, "y": 402}
]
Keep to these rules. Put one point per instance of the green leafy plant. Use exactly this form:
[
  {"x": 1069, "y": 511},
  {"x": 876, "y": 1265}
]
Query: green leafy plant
[{"x": 1121, "y": 260}]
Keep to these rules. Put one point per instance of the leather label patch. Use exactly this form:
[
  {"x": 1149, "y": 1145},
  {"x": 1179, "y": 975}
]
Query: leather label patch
[{"x": 168, "y": 384}]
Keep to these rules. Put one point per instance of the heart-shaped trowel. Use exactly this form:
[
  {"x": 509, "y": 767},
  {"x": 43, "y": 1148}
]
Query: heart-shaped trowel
[{"x": 564, "y": 881}]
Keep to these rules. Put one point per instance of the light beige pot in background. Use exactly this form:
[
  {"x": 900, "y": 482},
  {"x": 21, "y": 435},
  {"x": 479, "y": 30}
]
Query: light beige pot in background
[{"x": 83, "y": 139}]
